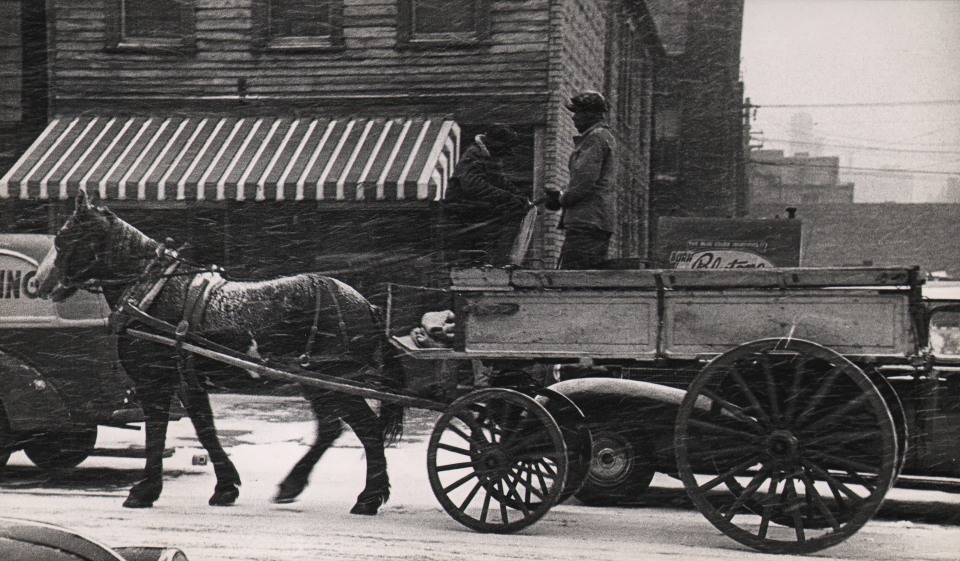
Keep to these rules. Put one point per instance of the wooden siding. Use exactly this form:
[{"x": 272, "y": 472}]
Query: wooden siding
[
  {"x": 513, "y": 64},
  {"x": 538, "y": 54},
  {"x": 11, "y": 63}
]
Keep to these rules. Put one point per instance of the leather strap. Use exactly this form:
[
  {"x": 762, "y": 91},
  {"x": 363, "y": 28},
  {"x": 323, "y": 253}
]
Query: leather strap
[{"x": 326, "y": 284}]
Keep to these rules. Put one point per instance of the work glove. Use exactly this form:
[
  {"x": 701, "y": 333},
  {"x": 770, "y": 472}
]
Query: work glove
[{"x": 553, "y": 199}]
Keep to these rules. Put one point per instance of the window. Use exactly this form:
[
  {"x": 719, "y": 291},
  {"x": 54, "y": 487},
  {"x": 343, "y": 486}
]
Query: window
[
  {"x": 299, "y": 24},
  {"x": 151, "y": 24},
  {"x": 443, "y": 21},
  {"x": 945, "y": 331},
  {"x": 666, "y": 138}
]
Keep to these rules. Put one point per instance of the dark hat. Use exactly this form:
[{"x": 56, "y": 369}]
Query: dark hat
[
  {"x": 500, "y": 135},
  {"x": 588, "y": 102}
]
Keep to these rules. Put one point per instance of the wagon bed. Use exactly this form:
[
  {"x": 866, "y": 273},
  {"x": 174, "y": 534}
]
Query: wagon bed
[{"x": 647, "y": 315}]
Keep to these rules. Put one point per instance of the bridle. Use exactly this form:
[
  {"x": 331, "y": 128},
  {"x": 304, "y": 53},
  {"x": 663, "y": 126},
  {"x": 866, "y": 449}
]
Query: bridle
[
  {"x": 161, "y": 263},
  {"x": 101, "y": 258}
]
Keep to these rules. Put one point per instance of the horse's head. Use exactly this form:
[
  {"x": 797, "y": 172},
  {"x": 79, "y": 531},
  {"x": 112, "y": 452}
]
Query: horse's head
[{"x": 80, "y": 253}]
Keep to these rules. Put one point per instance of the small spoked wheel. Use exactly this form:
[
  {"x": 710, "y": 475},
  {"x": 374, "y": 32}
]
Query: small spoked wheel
[
  {"x": 497, "y": 461},
  {"x": 576, "y": 436},
  {"x": 785, "y": 446}
]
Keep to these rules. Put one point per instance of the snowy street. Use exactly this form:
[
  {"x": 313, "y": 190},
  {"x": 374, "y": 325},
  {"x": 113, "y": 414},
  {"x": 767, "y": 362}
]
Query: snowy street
[{"x": 266, "y": 435}]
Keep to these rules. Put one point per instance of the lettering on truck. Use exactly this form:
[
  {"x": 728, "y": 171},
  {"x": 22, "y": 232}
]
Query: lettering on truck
[
  {"x": 17, "y": 283},
  {"x": 18, "y": 288}
]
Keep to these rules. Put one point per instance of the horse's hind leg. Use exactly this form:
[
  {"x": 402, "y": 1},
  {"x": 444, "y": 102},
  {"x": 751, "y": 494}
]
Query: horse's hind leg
[
  {"x": 197, "y": 404},
  {"x": 328, "y": 430},
  {"x": 369, "y": 429}
]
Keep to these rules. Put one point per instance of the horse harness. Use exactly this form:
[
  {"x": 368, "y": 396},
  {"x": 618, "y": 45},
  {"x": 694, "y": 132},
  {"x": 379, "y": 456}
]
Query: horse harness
[
  {"x": 142, "y": 294},
  {"x": 306, "y": 359},
  {"x": 200, "y": 291}
]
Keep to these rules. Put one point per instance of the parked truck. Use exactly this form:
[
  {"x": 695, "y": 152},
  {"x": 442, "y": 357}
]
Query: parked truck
[{"x": 59, "y": 375}]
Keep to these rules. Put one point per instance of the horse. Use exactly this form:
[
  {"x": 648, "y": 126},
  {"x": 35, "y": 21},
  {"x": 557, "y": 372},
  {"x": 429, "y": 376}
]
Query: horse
[{"x": 280, "y": 318}]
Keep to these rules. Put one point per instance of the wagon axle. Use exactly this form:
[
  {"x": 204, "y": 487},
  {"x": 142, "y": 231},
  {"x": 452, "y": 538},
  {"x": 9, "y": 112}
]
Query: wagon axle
[{"x": 782, "y": 446}]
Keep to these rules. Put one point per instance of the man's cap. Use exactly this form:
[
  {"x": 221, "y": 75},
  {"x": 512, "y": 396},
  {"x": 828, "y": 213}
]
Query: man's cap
[
  {"x": 588, "y": 102},
  {"x": 500, "y": 135}
]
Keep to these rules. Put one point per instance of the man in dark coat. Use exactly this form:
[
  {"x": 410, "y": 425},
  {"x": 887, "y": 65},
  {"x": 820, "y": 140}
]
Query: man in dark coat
[
  {"x": 482, "y": 207},
  {"x": 588, "y": 201}
]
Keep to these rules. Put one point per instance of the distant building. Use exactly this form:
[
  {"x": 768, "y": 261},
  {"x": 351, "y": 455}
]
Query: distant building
[
  {"x": 885, "y": 186},
  {"x": 881, "y": 235},
  {"x": 783, "y": 181},
  {"x": 802, "y": 137},
  {"x": 838, "y": 231}
]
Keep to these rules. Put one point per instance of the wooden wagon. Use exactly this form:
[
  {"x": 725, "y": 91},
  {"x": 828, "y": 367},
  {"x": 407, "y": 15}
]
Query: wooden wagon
[{"x": 787, "y": 401}]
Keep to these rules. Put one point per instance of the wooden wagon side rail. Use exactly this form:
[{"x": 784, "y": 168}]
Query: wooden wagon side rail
[{"x": 680, "y": 279}]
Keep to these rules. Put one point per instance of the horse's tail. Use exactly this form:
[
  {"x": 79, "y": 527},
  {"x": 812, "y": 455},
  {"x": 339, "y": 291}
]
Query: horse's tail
[
  {"x": 391, "y": 413},
  {"x": 392, "y": 376}
]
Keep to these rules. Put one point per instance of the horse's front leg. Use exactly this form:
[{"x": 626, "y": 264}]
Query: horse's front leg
[
  {"x": 369, "y": 429},
  {"x": 197, "y": 404},
  {"x": 155, "y": 403}
]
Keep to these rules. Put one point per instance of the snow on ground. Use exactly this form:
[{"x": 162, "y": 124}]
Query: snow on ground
[{"x": 265, "y": 437}]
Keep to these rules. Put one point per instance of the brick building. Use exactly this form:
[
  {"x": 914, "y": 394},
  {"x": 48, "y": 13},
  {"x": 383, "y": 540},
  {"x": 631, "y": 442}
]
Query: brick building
[
  {"x": 281, "y": 135},
  {"x": 881, "y": 235},
  {"x": 698, "y": 162}
]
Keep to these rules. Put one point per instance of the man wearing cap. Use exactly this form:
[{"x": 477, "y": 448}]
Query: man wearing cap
[
  {"x": 483, "y": 208},
  {"x": 587, "y": 202}
]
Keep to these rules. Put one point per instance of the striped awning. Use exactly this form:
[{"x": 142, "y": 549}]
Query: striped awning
[{"x": 253, "y": 158}]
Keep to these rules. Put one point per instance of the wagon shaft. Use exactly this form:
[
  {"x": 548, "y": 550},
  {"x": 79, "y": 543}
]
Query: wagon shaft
[{"x": 299, "y": 376}]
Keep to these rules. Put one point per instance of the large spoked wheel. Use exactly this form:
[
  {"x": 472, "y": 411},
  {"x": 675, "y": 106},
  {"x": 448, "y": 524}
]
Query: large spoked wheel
[
  {"x": 897, "y": 412},
  {"x": 497, "y": 461},
  {"x": 7, "y": 442},
  {"x": 785, "y": 446},
  {"x": 60, "y": 450}
]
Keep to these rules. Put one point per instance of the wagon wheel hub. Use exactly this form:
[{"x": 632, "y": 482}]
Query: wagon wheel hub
[
  {"x": 491, "y": 462},
  {"x": 782, "y": 445}
]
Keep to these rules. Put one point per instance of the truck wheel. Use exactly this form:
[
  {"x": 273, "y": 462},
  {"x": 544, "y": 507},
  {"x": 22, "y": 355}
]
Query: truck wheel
[
  {"x": 6, "y": 439},
  {"x": 620, "y": 468},
  {"x": 58, "y": 450}
]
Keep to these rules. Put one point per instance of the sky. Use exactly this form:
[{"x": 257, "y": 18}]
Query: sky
[{"x": 891, "y": 68}]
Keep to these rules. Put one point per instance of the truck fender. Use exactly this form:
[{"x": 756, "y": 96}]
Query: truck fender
[
  {"x": 595, "y": 395},
  {"x": 642, "y": 414},
  {"x": 30, "y": 401},
  {"x": 590, "y": 393}
]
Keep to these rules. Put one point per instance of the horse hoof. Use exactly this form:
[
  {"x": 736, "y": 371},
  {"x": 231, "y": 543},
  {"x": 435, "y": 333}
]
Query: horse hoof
[
  {"x": 224, "y": 498},
  {"x": 367, "y": 508},
  {"x": 287, "y": 494},
  {"x": 136, "y": 502},
  {"x": 285, "y": 498}
]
